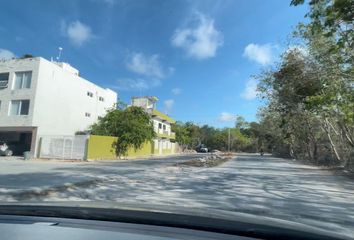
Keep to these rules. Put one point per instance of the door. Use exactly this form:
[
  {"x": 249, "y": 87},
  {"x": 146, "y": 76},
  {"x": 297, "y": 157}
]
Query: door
[{"x": 160, "y": 146}]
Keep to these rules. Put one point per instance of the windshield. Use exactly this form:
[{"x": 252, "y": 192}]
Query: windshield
[{"x": 199, "y": 106}]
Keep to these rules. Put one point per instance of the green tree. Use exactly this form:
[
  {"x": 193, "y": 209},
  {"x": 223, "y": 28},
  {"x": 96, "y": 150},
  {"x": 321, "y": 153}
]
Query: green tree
[
  {"x": 27, "y": 56},
  {"x": 330, "y": 39},
  {"x": 182, "y": 135},
  {"x": 309, "y": 94},
  {"x": 194, "y": 134},
  {"x": 241, "y": 122},
  {"x": 132, "y": 126}
]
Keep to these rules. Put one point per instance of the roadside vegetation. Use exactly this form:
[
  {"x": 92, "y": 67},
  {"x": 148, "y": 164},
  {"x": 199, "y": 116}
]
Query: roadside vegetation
[
  {"x": 131, "y": 126},
  {"x": 309, "y": 96},
  {"x": 309, "y": 100},
  {"x": 244, "y": 136},
  {"x": 309, "y": 113}
]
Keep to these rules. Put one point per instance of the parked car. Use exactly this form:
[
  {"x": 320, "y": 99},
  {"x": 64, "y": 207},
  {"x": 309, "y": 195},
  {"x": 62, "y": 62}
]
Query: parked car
[
  {"x": 202, "y": 149},
  {"x": 4, "y": 149}
]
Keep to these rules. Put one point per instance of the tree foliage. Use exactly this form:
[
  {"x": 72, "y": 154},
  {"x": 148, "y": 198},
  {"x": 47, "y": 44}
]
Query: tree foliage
[
  {"x": 132, "y": 126},
  {"x": 310, "y": 93},
  {"x": 190, "y": 135}
]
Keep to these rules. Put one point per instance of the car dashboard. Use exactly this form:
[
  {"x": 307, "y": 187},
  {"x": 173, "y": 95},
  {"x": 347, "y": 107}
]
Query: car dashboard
[{"x": 37, "y": 228}]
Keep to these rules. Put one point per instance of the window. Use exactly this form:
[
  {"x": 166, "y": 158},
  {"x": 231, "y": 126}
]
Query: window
[
  {"x": 19, "y": 107},
  {"x": 90, "y": 94},
  {"x": 164, "y": 127},
  {"x": 101, "y": 99},
  {"x": 23, "y": 80},
  {"x": 160, "y": 125},
  {"x": 4, "y": 80},
  {"x": 87, "y": 114}
]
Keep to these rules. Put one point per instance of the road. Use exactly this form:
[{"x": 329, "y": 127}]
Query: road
[{"x": 252, "y": 184}]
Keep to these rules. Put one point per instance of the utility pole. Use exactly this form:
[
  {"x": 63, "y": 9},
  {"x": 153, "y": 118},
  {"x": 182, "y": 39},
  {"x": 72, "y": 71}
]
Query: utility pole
[{"x": 229, "y": 139}]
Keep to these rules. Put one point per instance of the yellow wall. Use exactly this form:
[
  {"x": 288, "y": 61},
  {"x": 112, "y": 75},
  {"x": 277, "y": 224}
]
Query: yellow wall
[
  {"x": 146, "y": 150},
  {"x": 102, "y": 147}
]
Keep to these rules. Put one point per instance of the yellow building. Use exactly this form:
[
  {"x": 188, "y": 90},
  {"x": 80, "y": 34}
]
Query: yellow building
[
  {"x": 165, "y": 140},
  {"x": 102, "y": 147}
]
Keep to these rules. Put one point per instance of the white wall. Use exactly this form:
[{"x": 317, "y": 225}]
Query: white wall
[
  {"x": 156, "y": 122},
  {"x": 144, "y": 102},
  {"x": 61, "y": 101},
  {"x": 159, "y": 143},
  {"x": 58, "y": 98}
]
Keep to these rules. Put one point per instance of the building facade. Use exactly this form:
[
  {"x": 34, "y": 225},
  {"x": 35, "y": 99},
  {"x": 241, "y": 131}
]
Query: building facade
[
  {"x": 164, "y": 143},
  {"x": 44, "y": 98}
]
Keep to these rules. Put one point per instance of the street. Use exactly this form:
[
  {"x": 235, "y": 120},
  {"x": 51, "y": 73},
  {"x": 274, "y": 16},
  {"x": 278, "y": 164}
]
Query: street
[{"x": 249, "y": 183}]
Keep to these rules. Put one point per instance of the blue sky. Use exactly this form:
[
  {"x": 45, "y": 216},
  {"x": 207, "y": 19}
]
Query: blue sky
[{"x": 197, "y": 57}]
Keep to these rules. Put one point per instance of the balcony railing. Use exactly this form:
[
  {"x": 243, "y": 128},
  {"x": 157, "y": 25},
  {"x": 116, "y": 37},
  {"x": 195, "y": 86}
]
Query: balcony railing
[
  {"x": 173, "y": 135},
  {"x": 166, "y": 134}
]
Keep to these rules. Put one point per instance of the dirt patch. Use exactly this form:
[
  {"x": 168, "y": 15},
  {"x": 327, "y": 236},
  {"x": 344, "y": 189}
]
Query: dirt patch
[
  {"x": 336, "y": 170},
  {"x": 207, "y": 161},
  {"x": 42, "y": 193}
]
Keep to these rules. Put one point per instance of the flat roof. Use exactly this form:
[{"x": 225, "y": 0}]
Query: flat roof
[{"x": 163, "y": 116}]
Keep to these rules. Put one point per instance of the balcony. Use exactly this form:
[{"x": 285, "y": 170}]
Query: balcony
[
  {"x": 166, "y": 134},
  {"x": 173, "y": 135},
  {"x": 162, "y": 116}
]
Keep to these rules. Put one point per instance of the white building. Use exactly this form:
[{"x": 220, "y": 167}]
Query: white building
[
  {"x": 41, "y": 98},
  {"x": 164, "y": 143}
]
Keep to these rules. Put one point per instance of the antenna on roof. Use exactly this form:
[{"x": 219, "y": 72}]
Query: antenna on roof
[{"x": 59, "y": 54}]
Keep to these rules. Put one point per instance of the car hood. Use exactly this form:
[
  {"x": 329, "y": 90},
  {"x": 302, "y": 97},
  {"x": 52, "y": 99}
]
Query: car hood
[{"x": 156, "y": 215}]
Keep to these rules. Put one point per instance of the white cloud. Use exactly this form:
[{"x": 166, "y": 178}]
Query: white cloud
[
  {"x": 168, "y": 104},
  {"x": 149, "y": 66},
  {"x": 200, "y": 41},
  {"x": 262, "y": 54},
  {"x": 227, "y": 117},
  {"x": 176, "y": 91},
  {"x": 250, "y": 91},
  {"x": 77, "y": 32},
  {"x": 138, "y": 84},
  {"x": 6, "y": 54}
]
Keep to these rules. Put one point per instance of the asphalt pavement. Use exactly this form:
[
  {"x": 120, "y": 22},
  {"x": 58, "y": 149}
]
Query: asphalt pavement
[{"x": 265, "y": 186}]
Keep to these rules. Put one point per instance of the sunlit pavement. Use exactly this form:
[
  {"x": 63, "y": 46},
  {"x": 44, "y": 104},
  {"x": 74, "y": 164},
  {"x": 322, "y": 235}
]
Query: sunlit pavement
[{"x": 250, "y": 183}]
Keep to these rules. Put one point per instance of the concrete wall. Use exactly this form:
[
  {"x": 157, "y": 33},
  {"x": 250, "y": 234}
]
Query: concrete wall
[
  {"x": 146, "y": 150},
  {"x": 59, "y": 104},
  {"x": 62, "y": 101},
  {"x": 102, "y": 147},
  {"x": 8, "y": 94},
  {"x": 58, "y": 98}
]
